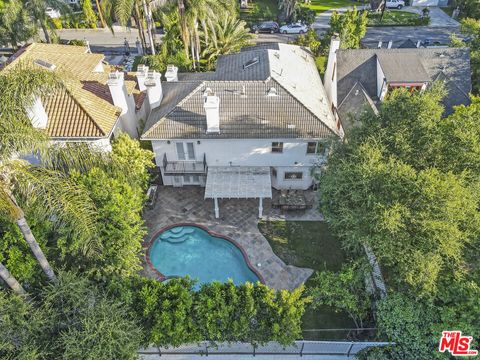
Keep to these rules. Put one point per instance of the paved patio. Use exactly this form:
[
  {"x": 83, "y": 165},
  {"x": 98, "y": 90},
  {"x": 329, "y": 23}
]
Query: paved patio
[{"x": 238, "y": 220}]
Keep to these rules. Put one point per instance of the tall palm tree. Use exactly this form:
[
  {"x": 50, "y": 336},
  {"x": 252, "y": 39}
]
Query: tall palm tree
[
  {"x": 37, "y": 10},
  {"x": 227, "y": 36},
  {"x": 54, "y": 193},
  {"x": 11, "y": 281}
]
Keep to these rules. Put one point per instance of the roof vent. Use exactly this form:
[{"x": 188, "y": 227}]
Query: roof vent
[
  {"x": 250, "y": 63},
  {"x": 272, "y": 92},
  {"x": 276, "y": 54},
  {"x": 291, "y": 126},
  {"x": 45, "y": 64},
  {"x": 442, "y": 55}
]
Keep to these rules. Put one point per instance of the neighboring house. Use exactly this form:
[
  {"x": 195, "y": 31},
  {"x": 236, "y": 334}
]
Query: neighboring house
[
  {"x": 359, "y": 79},
  {"x": 261, "y": 120},
  {"x": 95, "y": 103}
]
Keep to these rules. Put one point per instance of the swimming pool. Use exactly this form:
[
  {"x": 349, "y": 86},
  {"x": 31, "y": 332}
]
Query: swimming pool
[{"x": 193, "y": 251}]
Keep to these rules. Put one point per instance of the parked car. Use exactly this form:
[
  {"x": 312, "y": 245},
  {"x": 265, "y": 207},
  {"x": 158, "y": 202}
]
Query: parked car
[
  {"x": 53, "y": 13},
  {"x": 395, "y": 4},
  {"x": 266, "y": 27},
  {"x": 294, "y": 29}
]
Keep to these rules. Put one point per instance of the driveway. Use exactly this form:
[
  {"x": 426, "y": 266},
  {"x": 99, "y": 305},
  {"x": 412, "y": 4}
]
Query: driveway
[{"x": 438, "y": 18}]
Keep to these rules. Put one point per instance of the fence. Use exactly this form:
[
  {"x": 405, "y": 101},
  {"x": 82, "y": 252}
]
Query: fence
[{"x": 299, "y": 348}]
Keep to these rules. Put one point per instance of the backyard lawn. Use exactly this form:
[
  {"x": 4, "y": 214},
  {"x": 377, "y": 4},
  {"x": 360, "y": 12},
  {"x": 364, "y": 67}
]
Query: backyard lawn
[
  {"x": 323, "y": 5},
  {"x": 310, "y": 244}
]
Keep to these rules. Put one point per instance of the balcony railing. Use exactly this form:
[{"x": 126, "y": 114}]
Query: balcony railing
[{"x": 184, "y": 166}]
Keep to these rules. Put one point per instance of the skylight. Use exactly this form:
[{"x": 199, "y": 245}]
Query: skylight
[
  {"x": 45, "y": 64},
  {"x": 250, "y": 62}
]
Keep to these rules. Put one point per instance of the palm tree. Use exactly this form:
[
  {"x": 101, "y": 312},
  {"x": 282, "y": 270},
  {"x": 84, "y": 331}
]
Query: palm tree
[
  {"x": 53, "y": 193},
  {"x": 11, "y": 281},
  {"x": 37, "y": 10},
  {"x": 227, "y": 36}
]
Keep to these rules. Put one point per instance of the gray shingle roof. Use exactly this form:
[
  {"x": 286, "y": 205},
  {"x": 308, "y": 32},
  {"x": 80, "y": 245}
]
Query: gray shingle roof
[
  {"x": 405, "y": 68},
  {"x": 360, "y": 66},
  {"x": 354, "y": 105},
  {"x": 300, "y": 109}
]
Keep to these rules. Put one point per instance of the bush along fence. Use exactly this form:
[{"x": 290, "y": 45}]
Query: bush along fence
[{"x": 298, "y": 348}]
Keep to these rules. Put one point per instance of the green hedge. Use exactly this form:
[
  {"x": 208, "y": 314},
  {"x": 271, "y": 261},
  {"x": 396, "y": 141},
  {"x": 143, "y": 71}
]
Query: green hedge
[{"x": 173, "y": 313}]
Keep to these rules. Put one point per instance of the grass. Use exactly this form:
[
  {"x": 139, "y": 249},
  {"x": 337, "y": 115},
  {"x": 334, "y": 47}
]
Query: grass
[
  {"x": 260, "y": 10},
  {"x": 323, "y": 5},
  {"x": 396, "y": 18},
  {"x": 310, "y": 244}
]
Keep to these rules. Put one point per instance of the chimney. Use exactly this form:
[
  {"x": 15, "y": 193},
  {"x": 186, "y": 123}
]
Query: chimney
[
  {"x": 330, "y": 78},
  {"x": 116, "y": 84},
  {"x": 141, "y": 75},
  {"x": 390, "y": 43},
  {"x": 379, "y": 46},
  {"x": 211, "y": 105},
  {"x": 37, "y": 115},
  {"x": 154, "y": 89},
  {"x": 172, "y": 73}
]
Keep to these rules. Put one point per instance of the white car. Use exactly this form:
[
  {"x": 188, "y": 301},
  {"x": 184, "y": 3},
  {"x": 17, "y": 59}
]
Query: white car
[
  {"x": 53, "y": 13},
  {"x": 395, "y": 4},
  {"x": 294, "y": 29}
]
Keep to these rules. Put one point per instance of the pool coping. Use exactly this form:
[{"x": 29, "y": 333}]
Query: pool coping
[{"x": 162, "y": 277}]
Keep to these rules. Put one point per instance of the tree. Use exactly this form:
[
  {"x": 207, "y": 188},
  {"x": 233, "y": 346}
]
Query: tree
[
  {"x": 407, "y": 323},
  {"x": 288, "y": 8},
  {"x": 73, "y": 319},
  {"x": 52, "y": 192},
  {"x": 227, "y": 35},
  {"x": 15, "y": 24},
  {"x": 11, "y": 281},
  {"x": 407, "y": 184},
  {"x": 344, "y": 291},
  {"x": 351, "y": 27},
  {"x": 90, "y": 16},
  {"x": 37, "y": 10}
]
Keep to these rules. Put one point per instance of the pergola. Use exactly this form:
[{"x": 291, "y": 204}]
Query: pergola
[{"x": 238, "y": 182}]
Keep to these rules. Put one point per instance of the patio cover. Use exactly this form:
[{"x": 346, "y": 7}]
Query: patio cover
[{"x": 238, "y": 182}]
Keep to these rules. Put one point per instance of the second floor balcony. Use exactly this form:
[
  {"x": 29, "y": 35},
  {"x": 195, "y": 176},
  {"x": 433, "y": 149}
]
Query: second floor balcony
[{"x": 184, "y": 166}]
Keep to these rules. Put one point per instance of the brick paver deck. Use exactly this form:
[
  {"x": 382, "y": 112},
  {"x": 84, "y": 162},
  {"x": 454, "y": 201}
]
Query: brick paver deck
[{"x": 238, "y": 220}]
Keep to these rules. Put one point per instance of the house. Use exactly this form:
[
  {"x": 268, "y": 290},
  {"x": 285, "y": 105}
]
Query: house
[
  {"x": 96, "y": 102},
  {"x": 260, "y": 120},
  {"x": 360, "y": 79}
]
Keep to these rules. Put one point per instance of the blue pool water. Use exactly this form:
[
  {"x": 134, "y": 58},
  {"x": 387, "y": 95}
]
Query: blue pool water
[{"x": 189, "y": 250}]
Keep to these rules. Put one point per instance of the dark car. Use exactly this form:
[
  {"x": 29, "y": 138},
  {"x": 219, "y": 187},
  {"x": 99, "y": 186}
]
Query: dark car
[{"x": 266, "y": 27}]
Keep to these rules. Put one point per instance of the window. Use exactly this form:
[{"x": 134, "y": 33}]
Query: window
[
  {"x": 293, "y": 175},
  {"x": 277, "y": 147},
  {"x": 317, "y": 148},
  {"x": 185, "y": 151}
]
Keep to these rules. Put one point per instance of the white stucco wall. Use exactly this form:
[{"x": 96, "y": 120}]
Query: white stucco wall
[
  {"x": 380, "y": 80},
  {"x": 248, "y": 152}
]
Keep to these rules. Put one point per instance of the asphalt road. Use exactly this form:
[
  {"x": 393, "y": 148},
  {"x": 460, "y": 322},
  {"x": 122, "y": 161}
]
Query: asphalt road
[{"x": 103, "y": 41}]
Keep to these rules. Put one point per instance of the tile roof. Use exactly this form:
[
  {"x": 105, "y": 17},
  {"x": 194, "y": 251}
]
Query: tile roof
[
  {"x": 299, "y": 110},
  {"x": 84, "y": 107},
  {"x": 359, "y": 65}
]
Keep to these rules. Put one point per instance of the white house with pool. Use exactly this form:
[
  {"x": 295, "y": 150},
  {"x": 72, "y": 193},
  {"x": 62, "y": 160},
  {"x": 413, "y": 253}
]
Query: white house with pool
[{"x": 260, "y": 120}]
